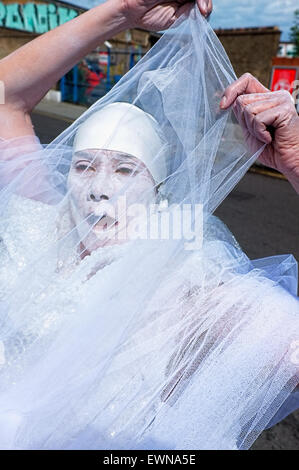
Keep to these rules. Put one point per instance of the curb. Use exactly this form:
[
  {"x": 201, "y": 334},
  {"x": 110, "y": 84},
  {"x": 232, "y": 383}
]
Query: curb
[
  {"x": 54, "y": 116},
  {"x": 64, "y": 112},
  {"x": 266, "y": 172}
]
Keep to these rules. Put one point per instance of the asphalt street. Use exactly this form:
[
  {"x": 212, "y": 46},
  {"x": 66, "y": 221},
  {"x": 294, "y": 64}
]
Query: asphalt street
[{"x": 263, "y": 214}]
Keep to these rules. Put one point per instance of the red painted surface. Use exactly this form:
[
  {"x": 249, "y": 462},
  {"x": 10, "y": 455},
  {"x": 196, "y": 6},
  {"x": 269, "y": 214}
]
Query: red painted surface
[{"x": 283, "y": 79}]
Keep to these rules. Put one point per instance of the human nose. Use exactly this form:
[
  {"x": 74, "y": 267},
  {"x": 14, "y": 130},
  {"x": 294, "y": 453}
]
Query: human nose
[{"x": 101, "y": 188}]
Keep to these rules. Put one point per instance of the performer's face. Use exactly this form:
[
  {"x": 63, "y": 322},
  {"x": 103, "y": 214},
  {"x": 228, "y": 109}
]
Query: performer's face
[{"x": 99, "y": 182}]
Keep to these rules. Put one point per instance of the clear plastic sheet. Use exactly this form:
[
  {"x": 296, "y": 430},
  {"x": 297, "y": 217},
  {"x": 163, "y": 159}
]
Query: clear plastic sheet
[{"x": 145, "y": 341}]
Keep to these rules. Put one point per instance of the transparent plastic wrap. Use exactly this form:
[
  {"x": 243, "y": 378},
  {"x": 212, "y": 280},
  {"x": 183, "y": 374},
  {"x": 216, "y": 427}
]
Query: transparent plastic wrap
[{"x": 121, "y": 325}]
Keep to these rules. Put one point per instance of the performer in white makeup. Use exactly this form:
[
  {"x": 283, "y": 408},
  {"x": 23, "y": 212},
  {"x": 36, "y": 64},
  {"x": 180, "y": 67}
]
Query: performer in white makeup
[
  {"x": 144, "y": 344},
  {"x": 128, "y": 144}
]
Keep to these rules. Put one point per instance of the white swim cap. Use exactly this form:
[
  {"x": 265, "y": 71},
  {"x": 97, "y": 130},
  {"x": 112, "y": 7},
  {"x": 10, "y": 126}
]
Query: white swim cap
[{"x": 125, "y": 128}]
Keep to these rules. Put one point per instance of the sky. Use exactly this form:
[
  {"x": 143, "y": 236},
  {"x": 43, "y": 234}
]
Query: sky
[{"x": 242, "y": 13}]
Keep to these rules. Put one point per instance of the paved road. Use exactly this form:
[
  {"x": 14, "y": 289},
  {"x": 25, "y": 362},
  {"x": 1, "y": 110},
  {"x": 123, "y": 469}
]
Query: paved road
[{"x": 263, "y": 214}]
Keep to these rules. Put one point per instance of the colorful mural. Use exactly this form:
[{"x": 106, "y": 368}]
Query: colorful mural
[{"x": 35, "y": 17}]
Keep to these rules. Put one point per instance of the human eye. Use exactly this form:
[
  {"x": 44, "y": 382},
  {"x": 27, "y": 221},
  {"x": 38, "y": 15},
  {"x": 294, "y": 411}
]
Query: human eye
[
  {"x": 84, "y": 166},
  {"x": 125, "y": 170}
]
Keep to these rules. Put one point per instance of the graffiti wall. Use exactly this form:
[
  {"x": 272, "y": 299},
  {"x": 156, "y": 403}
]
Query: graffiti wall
[{"x": 35, "y": 17}]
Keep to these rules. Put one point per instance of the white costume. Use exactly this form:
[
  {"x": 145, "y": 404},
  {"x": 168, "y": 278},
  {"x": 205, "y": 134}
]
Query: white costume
[{"x": 144, "y": 344}]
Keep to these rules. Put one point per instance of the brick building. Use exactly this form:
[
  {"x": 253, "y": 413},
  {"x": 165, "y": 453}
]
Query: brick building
[{"x": 251, "y": 50}]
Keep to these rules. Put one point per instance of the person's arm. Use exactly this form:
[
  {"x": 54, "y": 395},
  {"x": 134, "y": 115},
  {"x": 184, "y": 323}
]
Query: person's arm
[
  {"x": 267, "y": 118},
  {"x": 29, "y": 72}
]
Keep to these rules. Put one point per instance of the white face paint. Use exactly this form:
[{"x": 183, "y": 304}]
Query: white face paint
[{"x": 96, "y": 181}]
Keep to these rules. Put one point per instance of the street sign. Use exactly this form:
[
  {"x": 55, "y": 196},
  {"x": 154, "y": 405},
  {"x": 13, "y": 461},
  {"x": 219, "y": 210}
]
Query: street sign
[{"x": 103, "y": 58}]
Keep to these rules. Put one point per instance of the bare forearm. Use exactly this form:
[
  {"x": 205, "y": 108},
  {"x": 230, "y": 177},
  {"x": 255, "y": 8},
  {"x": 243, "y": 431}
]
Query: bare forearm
[{"x": 32, "y": 70}]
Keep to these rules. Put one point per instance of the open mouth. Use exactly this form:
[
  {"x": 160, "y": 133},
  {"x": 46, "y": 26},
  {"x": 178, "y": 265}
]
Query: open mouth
[{"x": 102, "y": 221}]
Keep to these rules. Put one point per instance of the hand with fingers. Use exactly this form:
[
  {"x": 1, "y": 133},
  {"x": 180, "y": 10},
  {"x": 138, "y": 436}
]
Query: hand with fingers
[
  {"x": 157, "y": 15},
  {"x": 267, "y": 118}
]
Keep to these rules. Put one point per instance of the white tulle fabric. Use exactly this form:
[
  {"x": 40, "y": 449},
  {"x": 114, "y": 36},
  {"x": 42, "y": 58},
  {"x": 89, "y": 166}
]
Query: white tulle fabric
[{"x": 143, "y": 345}]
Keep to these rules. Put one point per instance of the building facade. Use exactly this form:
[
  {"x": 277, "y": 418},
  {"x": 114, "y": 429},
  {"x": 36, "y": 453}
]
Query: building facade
[
  {"x": 287, "y": 49},
  {"x": 23, "y": 20},
  {"x": 251, "y": 50}
]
